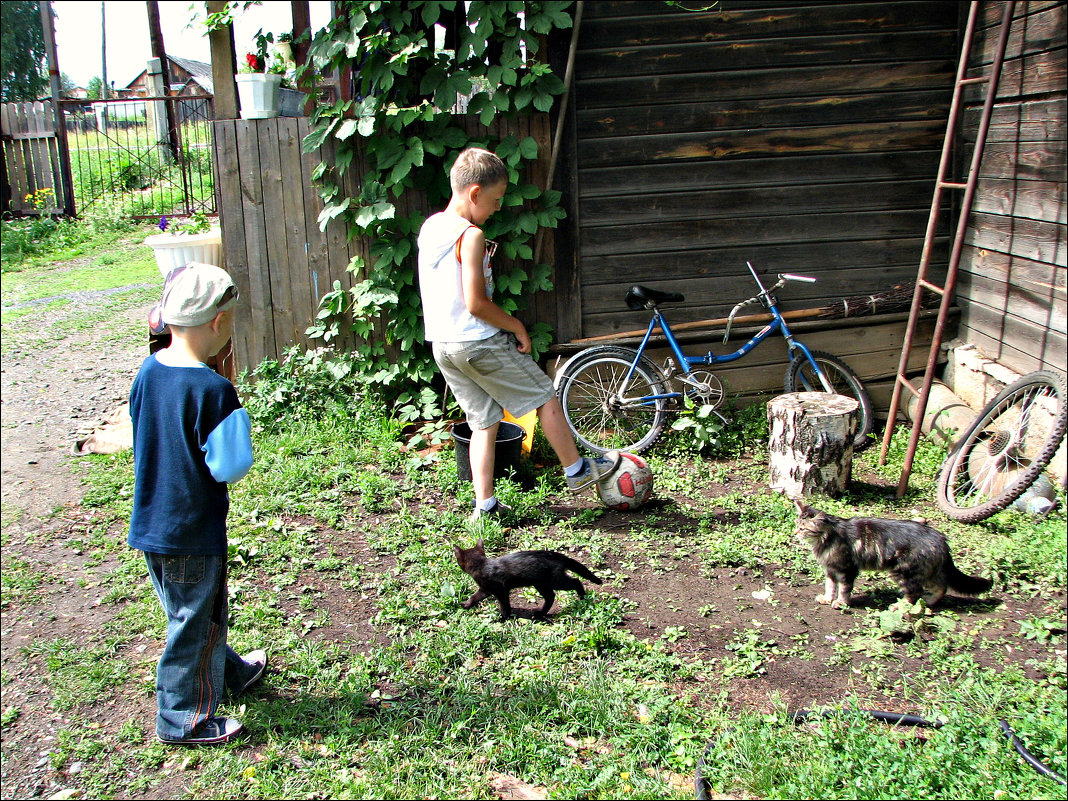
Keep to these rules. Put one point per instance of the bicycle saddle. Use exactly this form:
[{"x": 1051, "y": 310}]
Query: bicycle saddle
[{"x": 642, "y": 297}]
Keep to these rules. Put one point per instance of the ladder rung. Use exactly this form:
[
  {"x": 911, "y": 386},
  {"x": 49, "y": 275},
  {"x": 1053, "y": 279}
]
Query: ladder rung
[
  {"x": 908, "y": 385},
  {"x": 933, "y": 287},
  {"x": 976, "y": 79},
  {"x": 952, "y": 185}
]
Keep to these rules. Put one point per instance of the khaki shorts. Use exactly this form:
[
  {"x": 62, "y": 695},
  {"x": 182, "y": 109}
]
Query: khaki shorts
[{"x": 491, "y": 375}]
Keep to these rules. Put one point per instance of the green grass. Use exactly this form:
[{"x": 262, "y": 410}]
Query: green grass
[
  {"x": 580, "y": 707},
  {"x": 444, "y": 700},
  {"x": 46, "y": 302}
]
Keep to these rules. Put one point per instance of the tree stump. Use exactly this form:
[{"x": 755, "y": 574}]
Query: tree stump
[{"x": 811, "y": 443}]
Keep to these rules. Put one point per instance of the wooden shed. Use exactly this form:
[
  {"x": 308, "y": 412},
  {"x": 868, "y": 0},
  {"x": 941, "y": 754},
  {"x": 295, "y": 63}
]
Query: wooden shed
[{"x": 801, "y": 136}]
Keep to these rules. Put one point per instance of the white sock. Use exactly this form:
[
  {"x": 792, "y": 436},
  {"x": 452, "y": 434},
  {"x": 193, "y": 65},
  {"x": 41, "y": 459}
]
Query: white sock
[
  {"x": 488, "y": 504},
  {"x": 575, "y": 469}
]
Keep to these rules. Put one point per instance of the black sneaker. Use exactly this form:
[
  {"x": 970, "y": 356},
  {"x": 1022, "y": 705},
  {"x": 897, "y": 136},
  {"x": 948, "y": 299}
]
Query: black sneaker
[
  {"x": 594, "y": 470},
  {"x": 213, "y": 731},
  {"x": 259, "y": 659},
  {"x": 495, "y": 512}
]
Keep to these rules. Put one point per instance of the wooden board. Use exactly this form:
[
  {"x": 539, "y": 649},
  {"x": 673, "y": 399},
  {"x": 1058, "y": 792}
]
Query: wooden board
[
  {"x": 802, "y": 137},
  {"x": 1013, "y": 268},
  {"x": 232, "y": 220},
  {"x": 261, "y": 337}
]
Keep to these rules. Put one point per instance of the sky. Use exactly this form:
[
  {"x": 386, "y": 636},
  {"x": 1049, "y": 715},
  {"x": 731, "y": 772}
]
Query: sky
[{"x": 78, "y": 34}]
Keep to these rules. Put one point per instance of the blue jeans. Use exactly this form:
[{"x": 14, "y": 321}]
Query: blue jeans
[{"x": 197, "y": 665}]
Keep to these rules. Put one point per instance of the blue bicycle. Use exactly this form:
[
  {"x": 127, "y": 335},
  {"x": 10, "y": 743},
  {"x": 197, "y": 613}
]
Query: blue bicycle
[{"x": 616, "y": 397}]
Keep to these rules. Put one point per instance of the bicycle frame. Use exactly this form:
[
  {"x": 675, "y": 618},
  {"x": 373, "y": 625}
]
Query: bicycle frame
[{"x": 687, "y": 363}]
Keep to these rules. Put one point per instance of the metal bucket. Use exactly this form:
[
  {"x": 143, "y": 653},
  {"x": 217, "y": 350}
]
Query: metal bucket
[{"x": 508, "y": 449}]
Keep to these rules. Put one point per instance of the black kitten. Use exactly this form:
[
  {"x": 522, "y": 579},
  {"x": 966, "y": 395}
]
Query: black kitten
[
  {"x": 916, "y": 555},
  {"x": 545, "y": 571}
]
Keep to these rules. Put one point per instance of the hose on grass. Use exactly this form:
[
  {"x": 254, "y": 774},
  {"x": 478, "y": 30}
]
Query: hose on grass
[
  {"x": 1010, "y": 735},
  {"x": 703, "y": 786}
]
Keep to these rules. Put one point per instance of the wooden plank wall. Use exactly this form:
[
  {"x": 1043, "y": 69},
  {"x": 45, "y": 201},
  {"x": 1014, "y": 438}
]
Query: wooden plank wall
[
  {"x": 30, "y": 156},
  {"x": 281, "y": 263},
  {"x": 1012, "y": 284},
  {"x": 803, "y": 137}
]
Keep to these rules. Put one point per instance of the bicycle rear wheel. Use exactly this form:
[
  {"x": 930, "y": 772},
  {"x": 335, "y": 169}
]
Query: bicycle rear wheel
[
  {"x": 603, "y": 413},
  {"x": 1005, "y": 449},
  {"x": 800, "y": 377}
]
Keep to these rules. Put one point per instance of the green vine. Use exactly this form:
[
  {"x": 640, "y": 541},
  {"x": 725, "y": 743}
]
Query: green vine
[{"x": 402, "y": 134}]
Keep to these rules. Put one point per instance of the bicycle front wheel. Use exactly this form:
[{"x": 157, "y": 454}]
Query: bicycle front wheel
[
  {"x": 800, "y": 377},
  {"x": 1005, "y": 449},
  {"x": 604, "y": 412}
]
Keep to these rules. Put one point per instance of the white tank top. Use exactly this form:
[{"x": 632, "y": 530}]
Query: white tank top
[{"x": 445, "y": 314}]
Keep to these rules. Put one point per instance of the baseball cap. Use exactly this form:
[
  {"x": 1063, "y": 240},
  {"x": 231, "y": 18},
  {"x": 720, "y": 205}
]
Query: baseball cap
[{"x": 194, "y": 294}]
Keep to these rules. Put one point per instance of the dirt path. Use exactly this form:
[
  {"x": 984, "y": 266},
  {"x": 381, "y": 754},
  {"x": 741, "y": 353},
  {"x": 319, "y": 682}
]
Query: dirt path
[
  {"x": 64, "y": 385},
  {"x": 57, "y": 384}
]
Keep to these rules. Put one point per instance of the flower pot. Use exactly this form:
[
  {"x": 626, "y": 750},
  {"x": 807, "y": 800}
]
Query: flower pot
[
  {"x": 291, "y": 102},
  {"x": 177, "y": 250},
  {"x": 284, "y": 51},
  {"x": 258, "y": 94}
]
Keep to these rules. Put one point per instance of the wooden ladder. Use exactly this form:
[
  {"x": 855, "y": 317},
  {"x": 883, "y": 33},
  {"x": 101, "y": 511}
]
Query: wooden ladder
[{"x": 991, "y": 80}]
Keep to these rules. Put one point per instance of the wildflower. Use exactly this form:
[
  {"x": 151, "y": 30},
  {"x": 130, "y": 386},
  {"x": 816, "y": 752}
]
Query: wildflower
[
  {"x": 163, "y": 223},
  {"x": 254, "y": 62}
]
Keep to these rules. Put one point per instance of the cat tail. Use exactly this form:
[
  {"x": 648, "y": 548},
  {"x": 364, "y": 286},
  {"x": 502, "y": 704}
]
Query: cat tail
[
  {"x": 964, "y": 584},
  {"x": 579, "y": 569}
]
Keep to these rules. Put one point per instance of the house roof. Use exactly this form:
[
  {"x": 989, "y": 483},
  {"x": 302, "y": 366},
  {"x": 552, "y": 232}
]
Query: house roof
[{"x": 198, "y": 71}]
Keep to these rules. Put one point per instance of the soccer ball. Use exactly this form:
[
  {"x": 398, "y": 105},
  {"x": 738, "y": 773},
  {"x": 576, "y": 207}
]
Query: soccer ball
[{"x": 629, "y": 486}]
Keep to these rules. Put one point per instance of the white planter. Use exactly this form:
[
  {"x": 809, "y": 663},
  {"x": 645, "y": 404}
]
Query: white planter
[
  {"x": 177, "y": 250},
  {"x": 258, "y": 94}
]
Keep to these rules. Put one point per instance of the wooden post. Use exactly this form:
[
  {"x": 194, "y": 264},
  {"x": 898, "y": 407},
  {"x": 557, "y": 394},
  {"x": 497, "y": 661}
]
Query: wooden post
[
  {"x": 67, "y": 195},
  {"x": 223, "y": 66},
  {"x": 810, "y": 449},
  {"x": 155, "y": 36}
]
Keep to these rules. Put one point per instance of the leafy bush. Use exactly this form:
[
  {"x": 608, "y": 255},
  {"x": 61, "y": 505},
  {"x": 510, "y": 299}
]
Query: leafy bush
[
  {"x": 707, "y": 431},
  {"x": 306, "y": 383},
  {"x": 403, "y": 132}
]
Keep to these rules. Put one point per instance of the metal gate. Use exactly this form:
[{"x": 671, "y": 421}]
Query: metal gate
[{"x": 141, "y": 157}]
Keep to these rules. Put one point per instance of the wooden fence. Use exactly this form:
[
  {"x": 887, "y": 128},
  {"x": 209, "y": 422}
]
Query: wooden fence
[{"x": 31, "y": 158}]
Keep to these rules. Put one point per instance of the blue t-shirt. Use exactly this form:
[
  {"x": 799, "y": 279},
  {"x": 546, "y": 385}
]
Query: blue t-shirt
[{"x": 190, "y": 439}]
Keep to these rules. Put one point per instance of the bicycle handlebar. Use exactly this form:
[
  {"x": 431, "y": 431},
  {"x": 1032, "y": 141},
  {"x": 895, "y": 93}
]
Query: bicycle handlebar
[{"x": 764, "y": 293}]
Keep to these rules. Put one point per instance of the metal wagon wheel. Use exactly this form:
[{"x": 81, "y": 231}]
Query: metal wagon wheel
[{"x": 1005, "y": 449}]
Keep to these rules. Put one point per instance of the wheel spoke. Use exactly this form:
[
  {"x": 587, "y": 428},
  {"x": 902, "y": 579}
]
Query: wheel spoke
[{"x": 607, "y": 410}]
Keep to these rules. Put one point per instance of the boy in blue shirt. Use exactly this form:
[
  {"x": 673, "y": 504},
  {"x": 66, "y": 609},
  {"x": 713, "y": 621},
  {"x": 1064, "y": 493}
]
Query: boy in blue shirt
[
  {"x": 190, "y": 439},
  {"x": 482, "y": 350}
]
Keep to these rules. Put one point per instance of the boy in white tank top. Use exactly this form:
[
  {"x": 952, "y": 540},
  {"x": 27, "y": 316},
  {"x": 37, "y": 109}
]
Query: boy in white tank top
[{"x": 482, "y": 351}]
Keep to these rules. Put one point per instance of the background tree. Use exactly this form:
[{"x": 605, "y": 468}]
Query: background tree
[
  {"x": 94, "y": 88},
  {"x": 66, "y": 85},
  {"x": 22, "y": 51}
]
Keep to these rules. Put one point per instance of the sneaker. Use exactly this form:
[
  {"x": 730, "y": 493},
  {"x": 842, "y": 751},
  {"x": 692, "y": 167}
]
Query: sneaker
[
  {"x": 213, "y": 731},
  {"x": 259, "y": 659},
  {"x": 594, "y": 470},
  {"x": 495, "y": 513}
]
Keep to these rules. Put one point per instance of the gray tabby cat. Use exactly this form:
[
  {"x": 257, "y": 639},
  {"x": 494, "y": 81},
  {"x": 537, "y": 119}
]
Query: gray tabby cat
[{"x": 916, "y": 555}]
